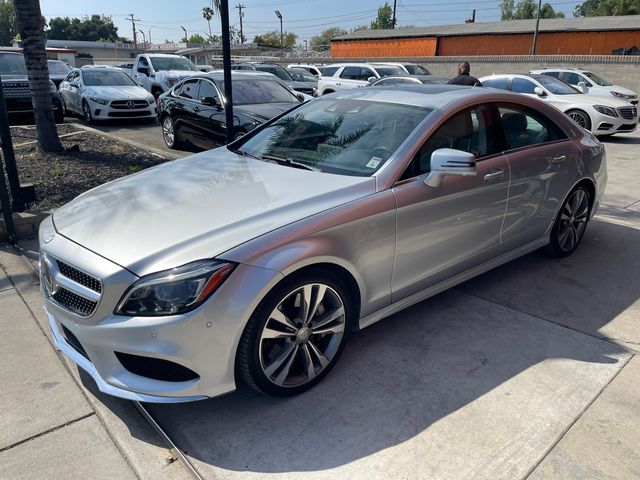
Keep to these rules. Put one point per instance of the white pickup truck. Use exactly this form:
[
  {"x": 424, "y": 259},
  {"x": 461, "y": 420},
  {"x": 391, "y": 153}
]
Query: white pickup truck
[
  {"x": 158, "y": 72},
  {"x": 345, "y": 76}
]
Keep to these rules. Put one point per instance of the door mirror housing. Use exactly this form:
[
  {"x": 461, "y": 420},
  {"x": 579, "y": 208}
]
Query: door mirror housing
[
  {"x": 582, "y": 86},
  {"x": 540, "y": 92},
  {"x": 447, "y": 161},
  {"x": 372, "y": 79},
  {"x": 144, "y": 70},
  {"x": 211, "y": 101},
  {"x": 300, "y": 97}
]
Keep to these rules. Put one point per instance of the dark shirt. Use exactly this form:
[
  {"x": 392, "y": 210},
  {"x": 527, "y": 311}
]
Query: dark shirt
[{"x": 465, "y": 79}]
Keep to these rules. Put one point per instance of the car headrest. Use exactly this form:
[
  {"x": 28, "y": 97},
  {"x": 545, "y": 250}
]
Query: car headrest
[
  {"x": 514, "y": 122},
  {"x": 459, "y": 126}
]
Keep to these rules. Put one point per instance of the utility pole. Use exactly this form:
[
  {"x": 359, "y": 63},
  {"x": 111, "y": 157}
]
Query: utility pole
[
  {"x": 306, "y": 45},
  {"x": 393, "y": 21},
  {"x": 279, "y": 15},
  {"x": 241, "y": 15},
  {"x": 535, "y": 32},
  {"x": 226, "y": 68},
  {"x": 149, "y": 34},
  {"x": 133, "y": 21}
]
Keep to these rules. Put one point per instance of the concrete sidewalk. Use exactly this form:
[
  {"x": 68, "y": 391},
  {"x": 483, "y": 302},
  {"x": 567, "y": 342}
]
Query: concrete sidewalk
[{"x": 50, "y": 426}]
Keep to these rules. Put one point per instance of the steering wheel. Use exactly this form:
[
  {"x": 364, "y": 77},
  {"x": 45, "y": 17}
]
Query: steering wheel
[{"x": 381, "y": 151}]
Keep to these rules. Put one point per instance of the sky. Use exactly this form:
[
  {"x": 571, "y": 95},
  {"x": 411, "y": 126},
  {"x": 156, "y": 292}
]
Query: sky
[{"x": 163, "y": 19}]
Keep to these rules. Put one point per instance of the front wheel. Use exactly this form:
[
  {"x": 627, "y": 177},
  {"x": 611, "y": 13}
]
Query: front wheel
[
  {"x": 296, "y": 335},
  {"x": 86, "y": 112},
  {"x": 571, "y": 222},
  {"x": 581, "y": 118}
]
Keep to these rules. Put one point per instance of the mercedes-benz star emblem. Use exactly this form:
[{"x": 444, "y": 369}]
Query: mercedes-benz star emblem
[
  {"x": 130, "y": 104},
  {"x": 47, "y": 272}
]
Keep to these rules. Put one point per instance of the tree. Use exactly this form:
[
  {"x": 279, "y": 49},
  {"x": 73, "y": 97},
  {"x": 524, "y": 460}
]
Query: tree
[
  {"x": 195, "y": 38},
  {"x": 207, "y": 14},
  {"x": 272, "y": 39},
  {"x": 8, "y": 29},
  {"x": 526, "y": 9},
  {"x": 90, "y": 28},
  {"x": 31, "y": 27},
  {"x": 384, "y": 18},
  {"x": 322, "y": 42},
  {"x": 597, "y": 8}
]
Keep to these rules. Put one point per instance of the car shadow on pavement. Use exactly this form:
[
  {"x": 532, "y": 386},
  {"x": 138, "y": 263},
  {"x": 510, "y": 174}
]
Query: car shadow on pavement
[
  {"x": 461, "y": 354},
  {"x": 619, "y": 139}
]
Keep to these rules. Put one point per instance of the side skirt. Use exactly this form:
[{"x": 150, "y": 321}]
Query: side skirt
[{"x": 451, "y": 282}]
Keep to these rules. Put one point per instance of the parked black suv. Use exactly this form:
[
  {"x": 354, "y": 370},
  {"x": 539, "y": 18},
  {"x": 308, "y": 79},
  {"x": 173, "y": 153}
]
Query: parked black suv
[{"x": 17, "y": 93}]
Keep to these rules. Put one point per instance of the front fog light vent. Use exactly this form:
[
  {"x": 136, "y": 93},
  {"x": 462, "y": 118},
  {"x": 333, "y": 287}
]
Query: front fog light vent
[{"x": 155, "y": 368}]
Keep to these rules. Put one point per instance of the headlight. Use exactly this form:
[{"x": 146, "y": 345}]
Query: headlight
[
  {"x": 171, "y": 81},
  {"x": 101, "y": 101},
  {"x": 620, "y": 95},
  {"x": 151, "y": 101},
  {"x": 611, "y": 112},
  {"x": 174, "y": 291}
]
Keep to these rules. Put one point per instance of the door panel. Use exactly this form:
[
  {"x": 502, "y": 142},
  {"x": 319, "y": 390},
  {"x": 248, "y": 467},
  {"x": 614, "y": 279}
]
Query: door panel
[{"x": 209, "y": 121}]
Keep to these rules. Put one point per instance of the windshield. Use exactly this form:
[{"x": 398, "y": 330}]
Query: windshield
[
  {"x": 281, "y": 73},
  {"x": 597, "y": 80},
  {"x": 300, "y": 75},
  {"x": 106, "y": 78},
  {"x": 172, "y": 63},
  {"x": 388, "y": 71},
  {"x": 555, "y": 86},
  {"x": 59, "y": 68},
  {"x": 348, "y": 137},
  {"x": 416, "y": 70},
  {"x": 12, "y": 65},
  {"x": 258, "y": 90}
]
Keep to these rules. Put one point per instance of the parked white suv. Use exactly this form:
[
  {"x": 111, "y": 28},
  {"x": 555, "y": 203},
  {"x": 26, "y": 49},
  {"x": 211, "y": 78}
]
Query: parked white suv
[
  {"x": 159, "y": 72},
  {"x": 590, "y": 83},
  {"x": 345, "y": 76}
]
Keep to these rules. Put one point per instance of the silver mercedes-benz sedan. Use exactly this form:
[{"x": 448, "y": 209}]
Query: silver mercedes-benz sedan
[{"x": 254, "y": 262}]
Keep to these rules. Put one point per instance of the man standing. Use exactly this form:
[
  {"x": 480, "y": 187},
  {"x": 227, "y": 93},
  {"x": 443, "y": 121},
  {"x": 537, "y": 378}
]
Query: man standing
[{"x": 464, "y": 78}]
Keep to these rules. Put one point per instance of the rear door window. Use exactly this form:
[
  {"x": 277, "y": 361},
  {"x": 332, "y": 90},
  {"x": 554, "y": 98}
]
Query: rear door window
[{"x": 329, "y": 71}]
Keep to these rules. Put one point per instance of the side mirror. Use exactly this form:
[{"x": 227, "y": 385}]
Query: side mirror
[
  {"x": 140, "y": 83},
  {"x": 372, "y": 79},
  {"x": 447, "y": 161},
  {"x": 144, "y": 70},
  {"x": 539, "y": 91},
  {"x": 300, "y": 97},
  {"x": 582, "y": 86},
  {"x": 211, "y": 101}
]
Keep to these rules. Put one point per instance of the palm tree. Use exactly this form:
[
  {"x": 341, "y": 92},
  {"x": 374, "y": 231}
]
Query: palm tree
[
  {"x": 31, "y": 28},
  {"x": 207, "y": 14}
]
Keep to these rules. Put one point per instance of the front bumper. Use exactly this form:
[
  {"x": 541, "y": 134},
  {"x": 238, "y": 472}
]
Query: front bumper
[
  {"x": 203, "y": 341},
  {"x": 107, "y": 112}
]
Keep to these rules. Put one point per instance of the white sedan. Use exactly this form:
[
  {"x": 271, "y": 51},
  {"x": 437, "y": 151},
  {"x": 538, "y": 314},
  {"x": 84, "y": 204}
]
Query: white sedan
[
  {"x": 599, "y": 115},
  {"x": 105, "y": 94}
]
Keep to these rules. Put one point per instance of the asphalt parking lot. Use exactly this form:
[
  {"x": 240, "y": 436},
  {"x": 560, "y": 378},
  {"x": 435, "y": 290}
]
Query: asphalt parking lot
[{"x": 529, "y": 371}]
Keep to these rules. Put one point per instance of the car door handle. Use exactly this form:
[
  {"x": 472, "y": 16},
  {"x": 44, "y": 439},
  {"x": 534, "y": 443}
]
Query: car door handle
[
  {"x": 559, "y": 158},
  {"x": 338, "y": 84},
  {"x": 496, "y": 174}
]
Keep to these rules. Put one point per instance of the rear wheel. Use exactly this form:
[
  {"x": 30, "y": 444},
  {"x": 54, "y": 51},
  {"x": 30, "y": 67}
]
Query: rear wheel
[
  {"x": 571, "y": 223},
  {"x": 581, "y": 118},
  {"x": 296, "y": 335}
]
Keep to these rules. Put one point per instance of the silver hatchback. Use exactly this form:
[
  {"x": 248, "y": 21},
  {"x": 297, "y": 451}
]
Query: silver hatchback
[{"x": 255, "y": 261}]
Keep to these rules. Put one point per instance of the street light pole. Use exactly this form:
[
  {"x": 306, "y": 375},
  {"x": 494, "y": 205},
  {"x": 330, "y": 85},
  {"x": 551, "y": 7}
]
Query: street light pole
[
  {"x": 535, "y": 32},
  {"x": 144, "y": 38},
  {"x": 226, "y": 67},
  {"x": 279, "y": 15},
  {"x": 186, "y": 37}
]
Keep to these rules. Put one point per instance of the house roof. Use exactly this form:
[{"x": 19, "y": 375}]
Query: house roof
[
  {"x": 86, "y": 44},
  {"x": 585, "y": 24}
]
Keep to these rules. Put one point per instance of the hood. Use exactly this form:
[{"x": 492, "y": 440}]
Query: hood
[
  {"x": 198, "y": 207},
  {"x": 176, "y": 73},
  {"x": 626, "y": 91},
  {"x": 590, "y": 100},
  {"x": 264, "y": 111},
  {"x": 133, "y": 92}
]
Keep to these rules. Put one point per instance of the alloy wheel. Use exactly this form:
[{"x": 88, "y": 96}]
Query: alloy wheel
[
  {"x": 579, "y": 118},
  {"x": 86, "y": 110},
  {"x": 573, "y": 220},
  {"x": 302, "y": 335},
  {"x": 168, "y": 132}
]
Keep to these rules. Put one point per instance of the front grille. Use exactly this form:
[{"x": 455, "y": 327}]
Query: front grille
[
  {"x": 628, "y": 112},
  {"x": 130, "y": 113},
  {"x": 80, "y": 277},
  {"x": 16, "y": 90},
  {"x": 123, "y": 104},
  {"x": 73, "y": 302}
]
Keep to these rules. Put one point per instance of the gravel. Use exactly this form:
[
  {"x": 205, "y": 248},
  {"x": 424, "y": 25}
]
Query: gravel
[{"x": 90, "y": 160}]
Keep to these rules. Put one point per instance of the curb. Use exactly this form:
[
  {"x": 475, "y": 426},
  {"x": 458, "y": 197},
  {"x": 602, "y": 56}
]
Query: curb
[
  {"x": 141, "y": 146},
  {"x": 26, "y": 224}
]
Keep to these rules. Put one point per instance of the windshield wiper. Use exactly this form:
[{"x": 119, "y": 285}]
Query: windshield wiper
[
  {"x": 244, "y": 153},
  {"x": 288, "y": 162}
]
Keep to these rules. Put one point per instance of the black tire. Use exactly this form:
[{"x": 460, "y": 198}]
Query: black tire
[
  {"x": 167, "y": 126},
  {"x": 156, "y": 92},
  {"x": 251, "y": 350},
  {"x": 571, "y": 223},
  {"x": 581, "y": 118},
  {"x": 86, "y": 112}
]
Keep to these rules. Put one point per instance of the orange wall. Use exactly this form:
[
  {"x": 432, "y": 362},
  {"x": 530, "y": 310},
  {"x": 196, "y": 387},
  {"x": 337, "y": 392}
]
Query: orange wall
[
  {"x": 562, "y": 43},
  {"x": 396, "y": 47}
]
